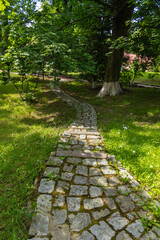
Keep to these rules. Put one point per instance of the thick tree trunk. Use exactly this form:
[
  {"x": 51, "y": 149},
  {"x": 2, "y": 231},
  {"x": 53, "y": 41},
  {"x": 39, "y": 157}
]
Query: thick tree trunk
[
  {"x": 8, "y": 73},
  {"x": 111, "y": 84},
  {"x": 110, "y": 88},
  {"x": 122, "y": 12}
]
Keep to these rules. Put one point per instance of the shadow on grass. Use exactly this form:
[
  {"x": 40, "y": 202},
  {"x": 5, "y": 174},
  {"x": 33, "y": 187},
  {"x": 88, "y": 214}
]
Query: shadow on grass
[
  {"x": 130, "y": 126},
  {"x": 52, "y": 111},
  {"x": 28, "y": 134}
]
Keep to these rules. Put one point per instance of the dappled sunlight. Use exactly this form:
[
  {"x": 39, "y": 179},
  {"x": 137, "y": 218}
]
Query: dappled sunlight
[
  {"x": 130, "y": 126},
  {"x": 28, "y": 134},
  {"x": 138, "y": 148}
]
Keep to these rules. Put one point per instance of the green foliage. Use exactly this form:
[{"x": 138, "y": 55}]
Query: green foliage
[
  {"x": 145, "y": 29},
  {"x": 126, "y": 77},
  {"x": 155, "y": 80},
  {"x": 152, "y": 75},
  {"x": 52, "y": 176},
  {"x": 152, "y": 215},
  {"x": 68, "y": 36},
  {"x": 25, "y": 87},
  {"x": 3, "y": 4}
]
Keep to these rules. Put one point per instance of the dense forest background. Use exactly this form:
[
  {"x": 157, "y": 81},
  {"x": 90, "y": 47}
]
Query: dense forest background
[{"x": 86, "y": 37}]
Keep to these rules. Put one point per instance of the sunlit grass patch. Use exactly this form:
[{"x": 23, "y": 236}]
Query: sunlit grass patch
[
  {"x": 150, "y": 78},
  {"x": 28, "y": 134},
  {"x": 130, "y": 125}
]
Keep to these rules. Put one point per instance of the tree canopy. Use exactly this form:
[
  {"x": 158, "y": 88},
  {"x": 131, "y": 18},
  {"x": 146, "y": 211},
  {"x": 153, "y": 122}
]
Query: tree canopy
[{"x": 83, "y": 36}]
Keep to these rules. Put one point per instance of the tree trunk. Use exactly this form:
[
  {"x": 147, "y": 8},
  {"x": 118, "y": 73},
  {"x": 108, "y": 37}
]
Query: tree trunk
[
  {"x": 122, "y": 12},
  {"x": 8, "y": 72},
  {"x": 43, "y": 70},
  {"x": 111, "y": 84}
]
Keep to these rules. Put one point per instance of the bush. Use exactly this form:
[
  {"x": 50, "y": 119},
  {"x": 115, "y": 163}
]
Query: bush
[{"x": 126, "y": 77}]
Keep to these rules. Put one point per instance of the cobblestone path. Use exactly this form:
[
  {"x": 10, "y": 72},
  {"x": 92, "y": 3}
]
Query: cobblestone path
[{"x": 89, "y": 197}]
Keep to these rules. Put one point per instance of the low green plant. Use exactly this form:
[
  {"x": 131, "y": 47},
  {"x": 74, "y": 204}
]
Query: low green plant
[
  {"x": 52, "y": 176},
  {"x": 62, "y": 157},
  {"x": 152, "y": 215},
  {"x": 125, "y": 180},
  {"x": 153, "y": 75},
  {"x": 126, "y": 77},
  {"x": 25, "y": 87}
]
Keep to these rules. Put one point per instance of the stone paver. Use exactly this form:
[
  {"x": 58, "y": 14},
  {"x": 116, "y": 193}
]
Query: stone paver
[
  {"x": 67, "y": 167},
  {"x": 60, "y": 232},
  {"x": 102, "y": 231},
  {"x": 102, "y": 162},
  {"x": 156, "y": 230},
  {"x": 78, "y": 190},
  {"x": 38, "y": 239},
  {"x": 100, "y": 214},
  {"x": 108, "y": 170},
  {"x": 73, "y": 204},
  {"x": 98, "y": 181},
  {"x": 54, "y": 161},
  {"x": 113, "y": 181},
  {"x": 117, "y": 221},
  {"x": 93, "y": 203},
  {"x": 86, "y": 236},
  {"x": 51, "y": 171},
  {"x": 59, "y": 201},
  {"x": 90, "y": 162},
  {"x": 44, "y": 203},
  {"x": 125, "y": 189},
  {"x": 95, "y": 191},
  {"x": 80, "y": 180},
  {"x": 123, "y": 236},
  {"x": 150, "y": 236},
  {"x": 59, "y": 216},
  {"x": 82, "y": 195},
  {"x": 73, "y": 160},
  {"x": 79, "y": 221},
  {"x": 136, "y": 229},
  {"x": 110, "y": 191},
  {"x": 62, "y": 187},
  {"x": 67, "y": 176},
  {"x": 125, "y": 203},
  {"x": 39, "y": 225},
  {"x": 46, "y": 186},
  {"x": 94, "y": 172},
  {"x": 82, "y": 170},
  {"x": 110, "y": 203}
]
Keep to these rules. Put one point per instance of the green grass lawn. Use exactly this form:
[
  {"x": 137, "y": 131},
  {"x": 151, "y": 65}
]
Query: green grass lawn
[
  {"x": 130, "y": 126},
  {"x": 149, "y": 78},
  {"x": 28, "y": 134}
]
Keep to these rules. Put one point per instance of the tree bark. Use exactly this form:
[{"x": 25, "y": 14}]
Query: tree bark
[
  {"x": 8, "y": 72},
  {"x": 122, "y": 12}
]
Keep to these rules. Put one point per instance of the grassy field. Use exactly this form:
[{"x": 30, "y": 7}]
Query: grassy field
[
  {"x": 28, "y": 133},
  {"x": 130, "y": 126}
]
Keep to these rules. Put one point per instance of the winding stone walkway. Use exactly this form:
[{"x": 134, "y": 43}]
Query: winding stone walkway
[{"x": 83, "y": 194}]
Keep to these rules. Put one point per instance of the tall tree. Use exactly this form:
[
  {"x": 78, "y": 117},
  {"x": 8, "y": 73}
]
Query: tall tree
[
  {"x": 112, "y": 17},
  {"x": 121, "y": 12}
]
